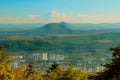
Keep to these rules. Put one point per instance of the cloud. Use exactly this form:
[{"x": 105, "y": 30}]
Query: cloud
[
  {"x": 33, "y": 17},
  {"x": 86, "y": 18},
  {"x": 55, "y": 16},
  {"x": 82, "y": 18},
  {"x": 58, "y": 17},
  {"x": 9, "y": 19}
]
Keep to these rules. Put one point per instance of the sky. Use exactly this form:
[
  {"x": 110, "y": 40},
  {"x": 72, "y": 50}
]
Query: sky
[{"x": 72, "y": 11}]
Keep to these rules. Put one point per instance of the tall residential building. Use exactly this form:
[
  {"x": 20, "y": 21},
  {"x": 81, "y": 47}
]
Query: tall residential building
[
  {"x": 36, "y": 56},
  {"x": 45, "y": 56}
]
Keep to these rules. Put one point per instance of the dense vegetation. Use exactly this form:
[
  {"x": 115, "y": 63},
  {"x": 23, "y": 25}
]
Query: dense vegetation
[
  {"x": 112, "y": 71},
  {"x": 71, "y": 43}
]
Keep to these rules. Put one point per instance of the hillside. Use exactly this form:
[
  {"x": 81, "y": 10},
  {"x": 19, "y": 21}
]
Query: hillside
[{"x": 55, "y": 28}]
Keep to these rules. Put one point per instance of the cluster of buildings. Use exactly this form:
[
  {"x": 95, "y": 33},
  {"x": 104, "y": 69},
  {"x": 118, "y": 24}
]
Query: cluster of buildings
[
  {"x": 87, "y": 61},
  {"x": 35, "y": 57}
]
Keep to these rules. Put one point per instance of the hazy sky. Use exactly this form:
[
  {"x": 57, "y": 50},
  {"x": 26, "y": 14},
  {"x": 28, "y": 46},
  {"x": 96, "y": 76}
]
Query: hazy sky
[{"x": 76, "y": 11}]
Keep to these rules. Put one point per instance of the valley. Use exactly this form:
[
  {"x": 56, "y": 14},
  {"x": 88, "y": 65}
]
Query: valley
[
  {"x": 58, "y": 43},
  {"x": 80, "y": 50}
]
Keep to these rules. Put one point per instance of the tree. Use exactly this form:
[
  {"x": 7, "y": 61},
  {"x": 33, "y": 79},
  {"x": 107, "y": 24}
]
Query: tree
[
  {"x": 6, "y": 72},
  {"x": 55, "y": 73},
  {"x": 29, "y": 71},
  {"x": 72, "y": 73},
  {"x": 69, "y": 73},
  {"x": 112, "y": 71}
]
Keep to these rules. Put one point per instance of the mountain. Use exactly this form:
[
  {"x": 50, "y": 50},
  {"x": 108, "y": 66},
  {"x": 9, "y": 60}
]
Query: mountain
[
  {"x": 99, "y": 26},
  {"x": 56, "y": 28},
  {"x": 65, "y": 24},
  {"x": 72, "y": 26}
]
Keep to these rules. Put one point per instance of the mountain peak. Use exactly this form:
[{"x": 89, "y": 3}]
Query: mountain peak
[
  {"x": 56, "y": 28},
  {"x": 65, "y": 24}
]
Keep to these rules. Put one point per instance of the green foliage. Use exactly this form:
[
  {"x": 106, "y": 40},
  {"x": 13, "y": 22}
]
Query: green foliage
[
  {"x": 23, "y": 45},
  {"x": 6, "y": 72},
  {"x": 72, "y": 73},
  {"x": 112, "y": 71},
  {"x": 69, "y": 73},
  {"x": 29, "y": 71}
]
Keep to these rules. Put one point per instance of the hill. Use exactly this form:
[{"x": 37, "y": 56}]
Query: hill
[{"x": 56, "y": 28}]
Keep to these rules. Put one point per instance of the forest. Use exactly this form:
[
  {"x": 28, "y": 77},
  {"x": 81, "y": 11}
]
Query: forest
[{"x": 62, "y": 42}]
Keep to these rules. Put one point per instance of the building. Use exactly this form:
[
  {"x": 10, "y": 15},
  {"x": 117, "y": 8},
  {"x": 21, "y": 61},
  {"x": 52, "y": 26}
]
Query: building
[{"x": 45, "y": 56}]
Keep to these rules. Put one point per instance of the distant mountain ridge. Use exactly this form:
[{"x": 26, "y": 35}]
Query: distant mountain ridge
[
  {"x": 91, "y": 26},
  {"x": 19, "y": 27},
  {"x": 58, "y": 28}
]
